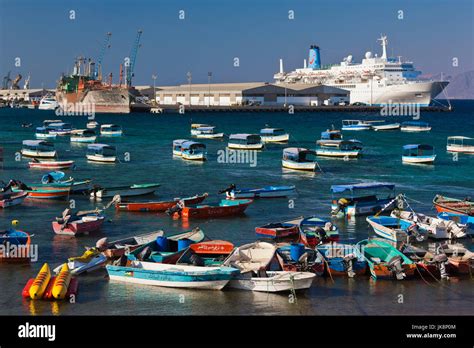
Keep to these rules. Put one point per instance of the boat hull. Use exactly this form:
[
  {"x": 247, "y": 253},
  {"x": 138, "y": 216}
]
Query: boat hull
[
  {"x": 206, "y": 212},
  {"x": 12, "y": 199},
  {"x": 38, "y": 154},
  {"x": 307, "y": 166},
  {"x": 208, "y": 136},
  {"x": 275, "y": 282},
  {"x": 78, "y": 227},
  {"x": 101, "y": 159},
  {"x": 124, "y": 192},
  {"x": 193, "y": 156},
  {"x": 245, "y": 147},
  {"x": 269, "y": 192},
  {"x": 275, "y": 138},
  {"x": 415, "y": 129},
  {"x": 386, "y": 127},
  {"x": 158, "y": 206},
  {"x": 52, "y": 165},
  {"x": 419, "y": 159},
  {"x": 460, "y": 148},
  {"x": 338, "y": 153}
]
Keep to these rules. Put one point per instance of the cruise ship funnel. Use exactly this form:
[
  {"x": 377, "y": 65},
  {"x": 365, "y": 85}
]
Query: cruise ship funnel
[{"x": 314, "y": 57}]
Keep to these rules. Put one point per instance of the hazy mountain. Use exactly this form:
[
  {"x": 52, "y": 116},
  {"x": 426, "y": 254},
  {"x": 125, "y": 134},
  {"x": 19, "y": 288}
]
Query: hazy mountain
[{"x": 460, "y": 86}]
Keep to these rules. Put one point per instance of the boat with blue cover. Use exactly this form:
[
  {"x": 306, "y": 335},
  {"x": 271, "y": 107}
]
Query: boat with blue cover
[
  {"x": 16, "y": 245},
  {"x": 193, "y": 151},
  {"x": 344, "y": 149},
  {"x": 205, "y": 131},
  {"x": 298, "y": 158},
  {"x": 111, "y": 130},
  {"x": 395, "y": 229},
  {"x": 363, "y": 198},
  {"x": 59, "y": 128},
  {"x": 264, "y": 192},
  {"x": 38, "y": 148},
  {"x": 415, "y": 126},
  {"x": 177, "y": 144},
  {"x": 460, "y": 219},
  {"x": 56, "y": 179},
  {"x": 418, "y": 153},
  {"x": 342, "y": 259}
]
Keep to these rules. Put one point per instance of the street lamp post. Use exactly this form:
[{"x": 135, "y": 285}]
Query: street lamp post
[
  {"x": 209, "y": 75},
  {"x": 190, "y": 77},
  {"x": 154, "y": 88}
]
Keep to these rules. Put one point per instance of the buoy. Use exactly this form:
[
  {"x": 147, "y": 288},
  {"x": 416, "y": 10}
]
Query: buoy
[
  {"x": 40, "y": 283},
  {"x": 15, "y": 223},
  {"x": 61, "y": 283}
]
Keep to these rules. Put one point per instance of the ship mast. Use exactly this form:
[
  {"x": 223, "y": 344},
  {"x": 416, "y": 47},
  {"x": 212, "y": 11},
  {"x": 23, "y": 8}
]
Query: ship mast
[{"x": 383, "y": 39}]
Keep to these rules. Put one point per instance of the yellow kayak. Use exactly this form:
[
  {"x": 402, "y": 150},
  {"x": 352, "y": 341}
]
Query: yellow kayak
[
  {"x": 61, "y": 283},
  {"x": 40, "y": 283}
]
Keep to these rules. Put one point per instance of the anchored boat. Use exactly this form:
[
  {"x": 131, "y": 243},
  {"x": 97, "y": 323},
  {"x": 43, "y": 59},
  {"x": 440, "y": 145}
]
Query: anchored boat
[
  {"x": 124, "y": 191},
  {"x": 120, "y": 247},
  {"x": 314, "y": 231},
  {"x": 460, "y": 144},
  {"x": 394, "y": 229},
  {"x": 453, "y": 205},
  {"x": 331, "y": 137},
  {"x": 82, "y": 222},
  {"x": 459, "y": 219},
  {"x": 344, "y": 149},
  {"x": 274, "y": 135},
  {"x": 386, "y": 126},
  {"x": 43, "y": 133},
  {"x": 355, "y": 125},
  {"x": 212, "y": 210},
  {"x": 10, "y": 198},
  {"x": 177, "y": 145},
  {"x": 418, "y": 153},
  {"x": 264, "y": 192},
  {"x": 193, "y": 151},
  {"x": 298, "y": 158},
  {"x": 296, "y": 257},
  {"x": 50, "y": 164},
  {"x": 245, "y": 142},
  {"x": 205, "y": 131},
  {"x": 59, "y": 128},
  {"x": 415, "y": 126},
  {"x": 38, "y": 148},
  {"x": 83, "y": 136},
  {"x": 342, "y": 259},
  {"x": 159, "y": 206},
  {"x": 280, "y": 230},
  {"x": 101, "y": 153},
  {"x": 111, "y": 130},
  {"x": 16, "y": 246}
]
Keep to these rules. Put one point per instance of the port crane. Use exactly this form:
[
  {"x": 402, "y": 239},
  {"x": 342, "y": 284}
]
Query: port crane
[
  {"x": 6, "y": 80},
  {"x": 98, "y": 67},
  {"x": 133, "y": 57}
]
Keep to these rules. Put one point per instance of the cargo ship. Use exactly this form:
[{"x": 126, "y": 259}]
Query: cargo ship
[
  {"x": 377, "y": 80},
  {"x": 84, "y": 89}
]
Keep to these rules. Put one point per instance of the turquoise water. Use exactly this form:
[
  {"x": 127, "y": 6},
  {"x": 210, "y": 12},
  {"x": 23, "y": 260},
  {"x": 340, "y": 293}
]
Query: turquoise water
[{"x": 147, "y": 139}]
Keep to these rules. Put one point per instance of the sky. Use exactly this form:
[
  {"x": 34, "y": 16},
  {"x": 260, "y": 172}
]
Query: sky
[{"x": 432, "y": 34}]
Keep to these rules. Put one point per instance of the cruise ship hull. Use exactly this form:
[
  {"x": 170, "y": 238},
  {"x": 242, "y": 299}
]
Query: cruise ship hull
[{"x": 113, "y": 100}]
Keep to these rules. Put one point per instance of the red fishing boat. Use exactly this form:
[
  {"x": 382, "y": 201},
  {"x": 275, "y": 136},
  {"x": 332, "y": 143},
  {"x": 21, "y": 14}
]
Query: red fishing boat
[
  {"x": 51, "y": 164},
  {"x": 453, "y": 205},
  {"x": 277, "y": 230},
  {"x": 79, "y": 223},
  {"x": 159, "y": 206},
  {"x": 223, "y": 208}
]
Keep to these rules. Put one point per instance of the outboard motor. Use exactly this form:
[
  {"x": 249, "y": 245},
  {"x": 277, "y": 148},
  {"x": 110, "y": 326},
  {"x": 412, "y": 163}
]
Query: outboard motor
[
  {"x": 395, "y": 265},
  {"x": 196, "y": 260},
  {"x": 144, "y": 254},
  {"x": 303, "y": 261},
  {"x": 348, "y": 261},
  {"x": 175, "y": 209},
  {"x": 229, "y": 189},
  {"x": 341, "y": 205},
  {"x": 441, "y": 260}
]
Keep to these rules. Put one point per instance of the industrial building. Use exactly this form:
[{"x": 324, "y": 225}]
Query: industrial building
[
  {"x": 24, "y": 94},
  {"x": 249, "y": 93}
]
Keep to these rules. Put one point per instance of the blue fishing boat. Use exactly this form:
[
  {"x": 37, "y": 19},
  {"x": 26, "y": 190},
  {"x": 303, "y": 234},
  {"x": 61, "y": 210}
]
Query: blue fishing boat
[
  {"x": 395, "y": 229},
  {"x": 299, "y": 258},
  {"x": 364, "y": 198},
  {"x": 56, "y": 179},
  {"x": 418, "y": 153},
  {"x": 264, "y": 192},
  {"x": 43, "y": 133},
  {"x": 342, "y": 259},
  {"x": 173, "y": 276},
  {"x": 314, "y": 230},
  {"x": 460, "y": 219},
  {"x": 177, "y": 144},
  {"x": 167, "y": 249}
]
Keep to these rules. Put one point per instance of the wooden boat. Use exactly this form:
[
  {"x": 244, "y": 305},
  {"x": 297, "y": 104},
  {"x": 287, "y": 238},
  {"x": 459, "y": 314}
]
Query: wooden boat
[
  {"x": 418, "y": 153},
  {"x": 342, "y": 260},
  {"x": 395, "y": 229},
  {"x": 245, "y": 142},
  {"x": 43, "y": 133},
  {"x": 15, "y": 246},
  {"x": 193, "y": 151},
  {"x": 461, "y": 260},
  {"x": 274, "y": 135},
  {"x": 330, "y": 137},
  {"x": 205, "y": 131},
  {"x": 314, "y": 230},
  {"x": 159, "y": 206},
  {"x": 212, "y": 210},
  {"x": 296, "y": 158},
  {"x": 428, "y": 264},
  {"x": 367, "y": 202},
  {"x": 415, "y": 126},
  {"x": 453, "y": 205},
  {"x": 460, "y": 144},
  {"x": 122, "y": 246},
  {"x": 73, "y": 224},
  {"x": 124, "y": 191},
  {"x": 38, "y": 148},
  {"x": 385, "y": 261},
  {"x": 209, "y": 253},
  {"x": 46, "y": 193},
  {"x": 299, "y": 258},
  {"x": 51, "y": 164},
  {"x": 83, "y": 136},
  {"x": 344, "y": 149},
  {"x": 59, "y": 128},
  {"x": 435, "y": 227},
  {"x": 254, "y": 260},
  {"x": 174, "y": 276},
  {"x": 264, "y": 192},
  {"x": 355, "y": 125},
  {"x": 459, "y": 219},
  {"x": 386, "y": 127},
  {"x": 167, "y": 249},
  {"x": 111, "y": 130},
  {"x": 101, "y": 153},
  {"x": 9, "y": 199},
  {"x": 177, "y": 146},
  {"x": 55, "y": 179},
  {"x": 279, "y": 230}
]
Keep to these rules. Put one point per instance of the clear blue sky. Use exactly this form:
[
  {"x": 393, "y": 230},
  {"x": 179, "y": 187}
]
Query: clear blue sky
[{"x": 215, "y": 31}]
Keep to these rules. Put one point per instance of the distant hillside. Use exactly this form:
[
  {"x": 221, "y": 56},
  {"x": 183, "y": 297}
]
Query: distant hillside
[{"x": 461, "y": 86}]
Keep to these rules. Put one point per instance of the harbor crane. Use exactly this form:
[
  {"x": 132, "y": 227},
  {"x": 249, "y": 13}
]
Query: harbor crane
[
  {"x": 98, "y": 67},
  {"x": 133, "y": 57},
  {"x": 6, "y": 80}
]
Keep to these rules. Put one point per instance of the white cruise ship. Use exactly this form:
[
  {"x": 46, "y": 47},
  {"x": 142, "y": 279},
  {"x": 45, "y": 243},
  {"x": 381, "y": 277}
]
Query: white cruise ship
[{"x": 375, "y": 81}]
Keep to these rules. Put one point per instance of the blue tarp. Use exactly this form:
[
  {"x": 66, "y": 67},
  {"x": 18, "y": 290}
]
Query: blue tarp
[
  {"x": 417, "y": 146},
  {"x": 362, "y": 186}
]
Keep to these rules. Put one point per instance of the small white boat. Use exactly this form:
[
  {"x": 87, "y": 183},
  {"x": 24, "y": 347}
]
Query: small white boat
[
  {"x": 418, "y": 153},
  {"x": 177, "y": 146},
  {"x": 331, "y": 137},
  {"x": 112, "y": 130},
  {"x": 264, "y": 192},
  {"x": 415, "y": 126},
  {"x": 60, "y": 128},
  {"x": 83, "y": 136},
  {"x": 205, "y": 131},
  {"x": 386, "y": 126},
  {"x": 355, "y": 125},
  {"x": 48, "y": 103},
  {"x": 252, "y": 260},
  {"x": 193, "y": 151},
  {"x": 435, "y": 227},
  {"x": 38, "y": 148},
  {"x": 101, "y": 153},
  {"x": 46, "y": 123},
  {"x": 43, "y": 133},
  {"x": 124, "y": 191},
  {"x": 296, "y": 158},
  {"x": 245, "y": 142},
  {"x": 344, "y": 149},
  {"x": 92, "y": 125},
  {"x": 274, "y": 135},
  {"x": 460, "y": 144}
]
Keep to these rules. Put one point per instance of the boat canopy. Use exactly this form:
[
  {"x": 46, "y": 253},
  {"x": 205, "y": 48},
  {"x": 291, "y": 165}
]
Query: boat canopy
[
  {"x": 297, "y": 154},
  {"x": 179, "y": 142},
  {"x": 36, "y": 143},
  {"x": 362, "y": 186},
  {"x": 246, "y": 138},
  {"x": 418, "y": 147},
  {"x": 331, "y": 135},
  {"x": 111, "y": 126},
  {"x": 101, "y": 149},
  {"x": 190, "y": 145},
  {"x": 56, "y": 176},
  {"x": 459, "y": 139},
  {"x": 416, "y": 123},
  {"x": 200, "y": 125},
  {"x": 272, "y": 131},
  {"x": 206, "y": 128}
]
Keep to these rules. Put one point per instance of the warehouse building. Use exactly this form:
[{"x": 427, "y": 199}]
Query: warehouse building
[{"x": 250, "y": 93}]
